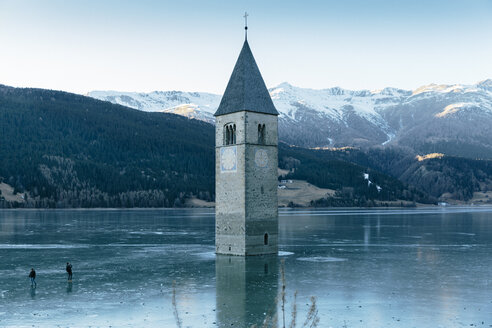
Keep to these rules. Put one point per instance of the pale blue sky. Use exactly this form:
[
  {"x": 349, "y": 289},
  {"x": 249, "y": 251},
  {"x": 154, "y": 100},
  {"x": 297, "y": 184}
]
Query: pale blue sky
[{"x": 79, "y": 46}]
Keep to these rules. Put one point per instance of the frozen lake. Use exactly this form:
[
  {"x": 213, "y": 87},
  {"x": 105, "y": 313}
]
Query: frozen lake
[{"x": 367, "y": 268}]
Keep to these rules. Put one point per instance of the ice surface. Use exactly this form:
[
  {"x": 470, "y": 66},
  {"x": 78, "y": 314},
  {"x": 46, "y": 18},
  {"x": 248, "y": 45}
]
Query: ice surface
[
  {"x": 206, "y": 255},
  {"x": 321, "y": 259},
  {"x": 367, "y": 268},
  {"x": 37, "y": 246}
]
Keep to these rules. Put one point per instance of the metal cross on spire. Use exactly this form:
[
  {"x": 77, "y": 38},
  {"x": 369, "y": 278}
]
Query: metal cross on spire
[{"x": 246, "y": 25}]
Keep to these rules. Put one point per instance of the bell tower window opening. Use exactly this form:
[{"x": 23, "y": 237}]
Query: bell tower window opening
[
  {"x": 229, "y": 134},
  {"x": 261, "y": 134},
  {"x": 265, "y": 239}
]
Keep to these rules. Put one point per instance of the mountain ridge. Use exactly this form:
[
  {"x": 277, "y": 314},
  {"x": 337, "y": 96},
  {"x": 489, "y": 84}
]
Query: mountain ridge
[{"x": 337, "y": 117}]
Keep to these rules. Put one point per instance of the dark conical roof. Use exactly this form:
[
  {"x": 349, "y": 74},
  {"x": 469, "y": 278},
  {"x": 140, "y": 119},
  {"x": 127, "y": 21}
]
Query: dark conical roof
[{"x": 246, "y": 89}]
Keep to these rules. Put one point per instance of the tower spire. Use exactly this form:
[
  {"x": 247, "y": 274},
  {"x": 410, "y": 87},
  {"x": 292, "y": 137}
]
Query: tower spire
[
  {"x": 246, "y": 25},
  {"x": 246, "y": 89}
]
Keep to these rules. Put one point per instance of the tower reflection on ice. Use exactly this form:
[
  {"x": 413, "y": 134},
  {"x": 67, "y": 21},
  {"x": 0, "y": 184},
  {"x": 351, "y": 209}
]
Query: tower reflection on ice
[{"x": 246, "y": 289}]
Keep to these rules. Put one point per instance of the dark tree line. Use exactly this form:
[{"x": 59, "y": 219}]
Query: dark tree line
[
  {"x": 332, "y": 169},
  {"x": 66, "y": 150}
]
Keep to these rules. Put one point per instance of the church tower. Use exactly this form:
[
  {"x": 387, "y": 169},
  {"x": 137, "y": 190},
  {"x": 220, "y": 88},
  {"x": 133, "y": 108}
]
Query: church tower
[{"x": 246, "y": 156}]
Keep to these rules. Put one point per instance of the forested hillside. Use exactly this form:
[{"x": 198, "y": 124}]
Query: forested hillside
[
  {"x": 67, "y": 150},
  {"x": 64, "y": 150},
  {"x": 356, "y": 185},
  {"x": 440, "y": 177}
]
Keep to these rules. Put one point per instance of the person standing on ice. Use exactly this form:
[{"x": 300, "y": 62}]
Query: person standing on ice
[
  {"x": 32, "y": 275},
  {"x": 69, "y": 271}
]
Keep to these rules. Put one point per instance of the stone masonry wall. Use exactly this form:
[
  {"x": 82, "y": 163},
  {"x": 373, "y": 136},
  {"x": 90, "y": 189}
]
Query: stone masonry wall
[
  {"x": 261, "y": 186},
  {"x": 229, "y": 191},
  {"x": 246, "y": 200}
]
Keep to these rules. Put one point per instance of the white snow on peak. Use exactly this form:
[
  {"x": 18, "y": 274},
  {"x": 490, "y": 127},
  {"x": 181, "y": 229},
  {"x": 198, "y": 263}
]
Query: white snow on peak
[
  {"x": 485, "y": 85},
  {"x": 333, "y": 102},
  {"x": 393, "y": 92},
  {"x": 438, "y": 88},
  {"x": 454, "y": 88},
  {"x": 192, "y": 111},
  {"x": 450, "y": 109},
  {"x": 454, "y": 108},
  {"x": 157, "y": 101},
  {"x": 292, "y": 102}
]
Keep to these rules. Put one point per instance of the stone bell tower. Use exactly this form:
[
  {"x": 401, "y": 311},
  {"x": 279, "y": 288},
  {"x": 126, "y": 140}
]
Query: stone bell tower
[{"x": 246, "y": 156}]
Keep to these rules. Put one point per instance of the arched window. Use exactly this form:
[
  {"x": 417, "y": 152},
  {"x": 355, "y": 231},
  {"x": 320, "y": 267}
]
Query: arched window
[
  {"x": 230, "y": 134},
  {"x": 261, "y": 134},
  {"x": 265, "y": 239}
]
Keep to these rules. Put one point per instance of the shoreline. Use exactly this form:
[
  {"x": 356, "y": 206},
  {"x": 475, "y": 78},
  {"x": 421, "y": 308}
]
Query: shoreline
[{"x": 419, "y": 206}]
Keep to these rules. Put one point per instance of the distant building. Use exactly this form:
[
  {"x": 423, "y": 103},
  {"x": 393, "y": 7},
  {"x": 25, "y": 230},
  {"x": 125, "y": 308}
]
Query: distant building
[{"x": 246, "y": 140}]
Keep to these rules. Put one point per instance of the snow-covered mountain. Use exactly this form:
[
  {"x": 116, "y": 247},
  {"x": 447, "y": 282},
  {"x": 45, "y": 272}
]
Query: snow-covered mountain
[
  {"x": 198, "y": 105},
  {"x": 429, "y": 118},
  {"x": 451, "y": 119}
]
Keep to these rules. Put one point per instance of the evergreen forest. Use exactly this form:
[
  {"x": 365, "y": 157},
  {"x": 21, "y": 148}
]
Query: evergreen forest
[{"x": 62, "y": 150}]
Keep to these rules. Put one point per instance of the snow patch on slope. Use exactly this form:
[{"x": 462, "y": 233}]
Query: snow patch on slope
[
  {"x": 332, "y": 102},
  {"x": 454, "y": 108},
  {"x": 160, "y": 100},
  {"x": 333, "y": 105}
]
